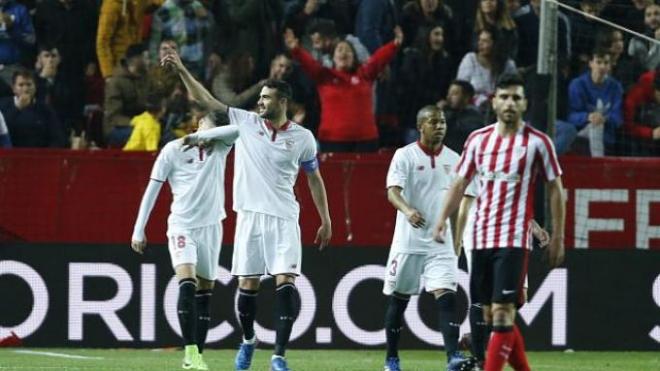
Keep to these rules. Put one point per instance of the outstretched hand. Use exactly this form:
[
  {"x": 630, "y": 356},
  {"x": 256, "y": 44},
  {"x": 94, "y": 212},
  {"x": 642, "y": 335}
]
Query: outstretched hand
[
  {"x": 290, "y": 40},
  {"x": 398, "y": 36}
]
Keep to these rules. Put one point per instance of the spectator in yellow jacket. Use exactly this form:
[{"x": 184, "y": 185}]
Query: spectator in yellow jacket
[
  {"x": 120, "y": 23},
  {"x": 146, "y": 127}
]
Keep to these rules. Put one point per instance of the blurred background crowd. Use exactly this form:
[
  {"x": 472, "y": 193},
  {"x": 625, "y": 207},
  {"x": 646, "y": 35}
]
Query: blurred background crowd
[{"x": 86, "y": 73}]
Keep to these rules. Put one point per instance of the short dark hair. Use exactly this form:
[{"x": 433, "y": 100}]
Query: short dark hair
[
  {"x": 599, "y": 52},
  {"x": 508, "y": 80},
  {"x": 153, "y": 102},
  {"x": 283, "y": 88},
  {"x": 24, "y": 73},
  {"x": 467, "y": 88},
  {"x": 325, "y": 27}
]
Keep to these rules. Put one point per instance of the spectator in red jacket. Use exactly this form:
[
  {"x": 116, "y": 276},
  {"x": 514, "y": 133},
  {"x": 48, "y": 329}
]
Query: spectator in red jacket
[
  {"x": 346, "y": 92},
  {"x": 641, "y": 114}
]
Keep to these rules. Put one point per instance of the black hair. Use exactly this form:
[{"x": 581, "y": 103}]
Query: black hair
[
  {"x": 467, "y": 88},
  {"x": 508, "y": 80},
  {"x": 22, "y": 72},
  {"x": 325, "y": 27},
  {"x": 283, "y": 88}
]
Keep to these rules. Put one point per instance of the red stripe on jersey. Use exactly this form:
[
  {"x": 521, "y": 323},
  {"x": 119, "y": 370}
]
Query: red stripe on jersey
[
  {"x": 504, "y": 187},
  {"x": 477, "y": 161},
  {"x": 552, "y": 155},
  {"x": 517, "y": 192},
  {"x": 472, "y": 166},
  {"x": 489, "y": 186}
]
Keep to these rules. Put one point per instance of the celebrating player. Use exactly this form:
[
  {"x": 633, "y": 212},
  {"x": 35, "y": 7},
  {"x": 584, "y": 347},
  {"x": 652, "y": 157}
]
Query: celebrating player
[
  {"x": 419, "y": 175},
  {"x": 269, "y": 153},
  {"x": 506, "y": 157},
  {"x": 194, "y": 229}
]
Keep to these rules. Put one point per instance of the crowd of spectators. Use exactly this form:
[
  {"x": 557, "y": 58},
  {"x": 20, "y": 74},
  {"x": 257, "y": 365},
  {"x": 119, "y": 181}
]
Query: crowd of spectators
[{"x": 86, "y": 73}]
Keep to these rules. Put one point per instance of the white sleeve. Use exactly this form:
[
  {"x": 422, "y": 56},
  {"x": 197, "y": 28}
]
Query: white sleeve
[
  {"x": 549, "y": 165},
  {"x": 466, "y": 165},
  {"x": 147, "y": 204},
  {"x": 238, "y": 116},
  {"x": 163, "y": 165},
  {"x": 309, "y": 149},
  {"x": 397, "y": 175},
  {"x": 225, "y": 134},
  {"x": 3, "y": 125}
]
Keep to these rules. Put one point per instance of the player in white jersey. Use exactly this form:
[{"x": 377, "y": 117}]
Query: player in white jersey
[
  {"x": 269, "y": 153},
  {"x": 417, "y": 179},
  {"x": 506, "y": 157},
  {"x": 194, "y": 228}
]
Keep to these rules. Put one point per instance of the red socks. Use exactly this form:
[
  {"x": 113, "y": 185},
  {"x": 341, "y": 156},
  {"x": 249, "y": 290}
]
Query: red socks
[
  {"x": 506, "y": 346},
  {"x": 499, "y": 349},
  {"x": 517, "y": 358}
]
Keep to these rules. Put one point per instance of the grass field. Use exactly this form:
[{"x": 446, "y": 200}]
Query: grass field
[{"x": 303, "y": 360}]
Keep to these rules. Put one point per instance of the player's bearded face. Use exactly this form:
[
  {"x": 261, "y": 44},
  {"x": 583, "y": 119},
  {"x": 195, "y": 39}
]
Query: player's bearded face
[{"x": 509, "y": 104}]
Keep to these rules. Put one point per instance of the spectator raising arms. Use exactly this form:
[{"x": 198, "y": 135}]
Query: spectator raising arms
[{"x": 346, "y": 93}]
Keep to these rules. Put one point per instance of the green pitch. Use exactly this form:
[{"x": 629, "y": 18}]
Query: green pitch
[{"x": 301, "y": 360}]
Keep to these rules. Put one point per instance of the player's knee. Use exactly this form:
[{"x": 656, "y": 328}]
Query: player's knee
[
  {"x": 282, "y": 279},
  {"x": 487, "y": 314},
  {"x": 249, "y": 283},
  {"x": 503, "y": 315},
  {"x": 185, "y": 271},
  {"x": 204, "y": 284}
]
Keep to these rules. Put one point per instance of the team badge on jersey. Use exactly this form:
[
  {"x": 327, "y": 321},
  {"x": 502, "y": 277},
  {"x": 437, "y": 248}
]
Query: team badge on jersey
[
  {"x": 420, "y": 167},
  {"x": 447, "y": 169},
  {"x": 355, "y": 80},
  {"x": 519, "y": 152}
]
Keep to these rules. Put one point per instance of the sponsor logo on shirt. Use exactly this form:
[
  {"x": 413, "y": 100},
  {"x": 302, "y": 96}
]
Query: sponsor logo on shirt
[
  {"x": 262, "y": 133},
  {"x": 499, "y": 176}
]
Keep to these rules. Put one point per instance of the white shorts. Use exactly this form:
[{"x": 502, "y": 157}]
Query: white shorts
[
  {"x": 198, "y": 246},
  {"x": 407, "y": 273},
  {"x": 266, "y": 244}
]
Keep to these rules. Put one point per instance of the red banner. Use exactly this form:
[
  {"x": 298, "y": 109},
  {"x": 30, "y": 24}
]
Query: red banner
[{"x": 93, "y": 197}]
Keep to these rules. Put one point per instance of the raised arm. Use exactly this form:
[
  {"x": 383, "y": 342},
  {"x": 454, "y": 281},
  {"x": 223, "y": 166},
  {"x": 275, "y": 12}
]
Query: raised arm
[
  {"x": 139, "y": 240},
  {"x": 226, "y": 134},
  {"x": 195, "y": 88}
]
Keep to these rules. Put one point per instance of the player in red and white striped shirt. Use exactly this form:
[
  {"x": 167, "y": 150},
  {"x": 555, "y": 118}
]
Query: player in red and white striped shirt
[{"x": 506, "y": 157}]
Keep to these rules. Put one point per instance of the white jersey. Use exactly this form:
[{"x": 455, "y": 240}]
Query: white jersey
[
  {"x": 424, "y": 176},
  {"x": 506, "y": 168},
  {"x": 197, "y": 180},
  {"x": 267, "y": 164}
]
